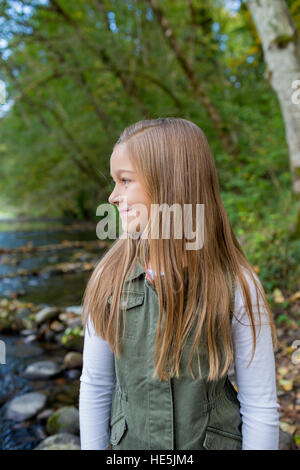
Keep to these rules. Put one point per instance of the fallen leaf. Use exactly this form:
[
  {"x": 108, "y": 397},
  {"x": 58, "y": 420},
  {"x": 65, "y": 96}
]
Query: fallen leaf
[
  {"x": 286, "y": 427},
  {"x": 295, "y": 296},
  {"x": 297, "y": 439},
  {"x": 283, "y": 370},
  {"x": 278, "y": 297},
  {"x": 287, "y": 385}
]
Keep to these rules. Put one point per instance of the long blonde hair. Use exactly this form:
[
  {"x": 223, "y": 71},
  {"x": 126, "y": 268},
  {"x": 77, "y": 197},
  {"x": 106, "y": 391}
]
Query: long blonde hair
[{"x": 172, "y": 158}]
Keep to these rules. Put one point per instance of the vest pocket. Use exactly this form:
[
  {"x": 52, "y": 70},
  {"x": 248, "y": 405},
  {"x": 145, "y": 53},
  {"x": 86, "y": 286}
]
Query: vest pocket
[
  {"x": 216, "y": 439},
  {"x": 132, "y": 303},
  {"x": 117, "y": 430},
  {"x": 134, "y": 299}
]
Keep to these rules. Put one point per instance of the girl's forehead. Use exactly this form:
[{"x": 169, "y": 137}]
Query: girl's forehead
[
  {"x": 119, "y": 155},
  {"x": 119, "y": 160}
]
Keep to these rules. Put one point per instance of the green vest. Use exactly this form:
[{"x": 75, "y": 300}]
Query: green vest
[{"x": 180, "y": 414}]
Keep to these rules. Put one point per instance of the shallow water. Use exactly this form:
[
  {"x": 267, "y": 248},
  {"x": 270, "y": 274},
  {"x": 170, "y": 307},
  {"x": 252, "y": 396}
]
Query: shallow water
[
  {"x": 68, "y": 288},
  {"x": 19, "y": 355},
  {"x": 61, "y": 290}
]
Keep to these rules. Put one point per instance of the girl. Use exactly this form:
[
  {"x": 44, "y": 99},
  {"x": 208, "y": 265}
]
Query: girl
[{"x": 166, "y": 318}]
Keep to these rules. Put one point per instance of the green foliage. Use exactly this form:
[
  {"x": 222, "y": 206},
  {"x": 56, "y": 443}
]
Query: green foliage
[
  {"x": 73, "y": 338},
  {"x": 283, "y": 319},
  {"x": 79, "y": 77}
]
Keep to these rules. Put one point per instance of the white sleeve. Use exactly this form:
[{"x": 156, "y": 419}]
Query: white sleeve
[
  {"x": 256, "y": 384},
  {"x": 97, "y": 383}
]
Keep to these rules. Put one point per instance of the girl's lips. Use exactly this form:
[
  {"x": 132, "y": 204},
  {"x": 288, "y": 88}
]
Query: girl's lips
[{"x": 122, "y": 212}]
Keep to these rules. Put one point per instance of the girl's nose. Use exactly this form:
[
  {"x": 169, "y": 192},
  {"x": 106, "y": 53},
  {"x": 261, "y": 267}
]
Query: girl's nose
[{"x": 113, "y": 197}]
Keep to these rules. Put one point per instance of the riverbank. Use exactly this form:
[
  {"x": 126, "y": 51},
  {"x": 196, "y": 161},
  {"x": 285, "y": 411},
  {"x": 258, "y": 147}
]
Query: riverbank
[
  {"x": 43, "y": 274},
  {"x": 39, "y": 374}
]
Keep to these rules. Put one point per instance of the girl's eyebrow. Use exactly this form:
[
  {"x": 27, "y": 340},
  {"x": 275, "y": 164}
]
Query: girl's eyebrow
[{"x": 123, "y": 169}]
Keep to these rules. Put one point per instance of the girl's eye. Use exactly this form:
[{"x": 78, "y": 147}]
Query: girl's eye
[{"x": 124, "y": 179}]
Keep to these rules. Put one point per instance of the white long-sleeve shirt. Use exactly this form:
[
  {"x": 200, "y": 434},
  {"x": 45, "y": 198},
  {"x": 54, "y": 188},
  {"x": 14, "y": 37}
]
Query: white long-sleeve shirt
[{"x": 256, "y": 384}]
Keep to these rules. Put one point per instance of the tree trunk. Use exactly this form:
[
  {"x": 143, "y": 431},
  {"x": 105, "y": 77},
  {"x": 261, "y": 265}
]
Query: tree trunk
[{"x": 281, "y": 46}]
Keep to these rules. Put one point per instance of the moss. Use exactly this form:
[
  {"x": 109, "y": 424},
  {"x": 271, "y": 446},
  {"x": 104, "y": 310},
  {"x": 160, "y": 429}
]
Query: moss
[{"x": 53, "y": 424}]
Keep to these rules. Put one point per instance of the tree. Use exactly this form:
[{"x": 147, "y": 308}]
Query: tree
[{"x": 281, "y": 46}]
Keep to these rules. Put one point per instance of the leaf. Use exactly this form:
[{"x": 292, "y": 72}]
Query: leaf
[
  {"x": 297, "y": 439},
  {"x": 278, "y": 297},
  {"x": 286, "y": 427},
  {"x": 283, "y": 370},
  {"x": 286, "y": 385},
  {"x": 295, "y": 296}
]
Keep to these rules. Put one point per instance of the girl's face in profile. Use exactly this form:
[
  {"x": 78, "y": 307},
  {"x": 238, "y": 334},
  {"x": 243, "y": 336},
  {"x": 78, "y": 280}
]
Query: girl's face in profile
[{"x": 128, "y": 194}]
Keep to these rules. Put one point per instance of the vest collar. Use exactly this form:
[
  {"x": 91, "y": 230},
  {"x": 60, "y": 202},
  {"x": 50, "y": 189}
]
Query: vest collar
[{"x": 138, "y": 271}]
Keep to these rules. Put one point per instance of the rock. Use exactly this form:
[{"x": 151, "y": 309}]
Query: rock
[
  {"x": 49, "y": 271},
  {"x": 64, "y": 395},
  {"x": 73, "y": 373},
  {"x": 30, "y": 338},
  {"x": 57, "y": 326},
  {"x": 61, "y": 441},
  {"x": 74, "y": 322},
  {"x": 46, "y": 314},
  {"x": 60, "y": 268},
  {"x": 75, "y": 309},
  {"x": 23, "y": 313},
  {"x": 65, "y": 419},
  {"x": 73, "y": 360},
  {"x": 25, "y": 406},
  {"x": 27, "y": 332},
  {"x": 42, "y": 370},
  {"x": 70, "y": 319},
  {"x": 63, "y": 317},
  {"x": 44, "y": 415},
  {"x": 286, "y": 441}
]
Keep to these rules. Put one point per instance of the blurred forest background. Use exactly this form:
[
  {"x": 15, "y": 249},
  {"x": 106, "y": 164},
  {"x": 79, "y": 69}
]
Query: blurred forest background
[{"x": 77, "y": 72}]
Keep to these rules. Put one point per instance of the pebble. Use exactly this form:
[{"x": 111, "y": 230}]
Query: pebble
[
  {"x": 42, "y": 370},
  {"x": 25, "y": 406},
  {"x": 61, "y": 441},
  {"x": 47, "y": 313}
]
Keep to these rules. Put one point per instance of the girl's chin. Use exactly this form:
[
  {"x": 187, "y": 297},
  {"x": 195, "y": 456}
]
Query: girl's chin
[{"x": 132, "y": 227}]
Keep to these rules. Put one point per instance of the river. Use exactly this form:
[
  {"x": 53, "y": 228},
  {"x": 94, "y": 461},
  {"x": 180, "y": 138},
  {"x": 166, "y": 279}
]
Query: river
[{"x": 63, "y": 290}]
